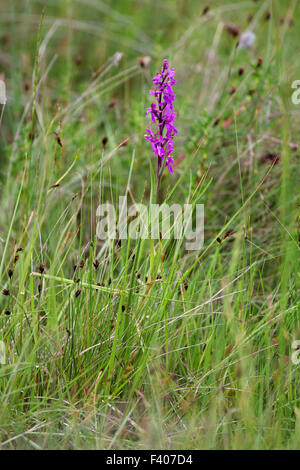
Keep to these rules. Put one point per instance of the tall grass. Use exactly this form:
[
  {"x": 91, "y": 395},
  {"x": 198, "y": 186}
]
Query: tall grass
[{"x": 139, "y": 343}]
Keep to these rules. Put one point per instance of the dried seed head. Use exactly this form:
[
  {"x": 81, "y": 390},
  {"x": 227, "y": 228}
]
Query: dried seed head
[
  {"x": 96, "y": 264},
  {"x": 241, "y": 71},
  {"x": 267, "y": 15},
  {"x": 31, "y": 135},
  {"x": 233, "y": 29},
  {"x": 58, "y": 139},
  {"x": 144, "y": 61},
  {"x": 78, "y": 292},
  {"x": 7, "y": 312},
  {"x": 19, "y": 249},
  {"x": 5, "y": 292},
  {"x": 78, "y": 59},
  {"x": 10, "y": 273},
  {"x": 216, "y": 122},
  {"x": 232, "y": 91},
  {"x": 6, "y": 39},
  {"x": 123, "y": 308},
  {"x": 227, "y": 234},
  {"x": 26, "y": 85},
  {"x": 206, "y": 9},
  {"x": 112, "y": 103},
  {"x": 259, "y": 62},
  {"x": 42, "y": 268},
  {"x": 81, "y": 265},
  {"x": 270, "y": 157},
  {"x": 104, "y": 141}
]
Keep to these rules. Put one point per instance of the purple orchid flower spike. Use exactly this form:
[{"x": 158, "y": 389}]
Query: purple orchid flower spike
[{"x": 163, "y": 117}]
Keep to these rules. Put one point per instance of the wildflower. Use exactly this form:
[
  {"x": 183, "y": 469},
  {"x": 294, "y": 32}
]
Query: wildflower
[
  {"x": 247, "y": 39},
  {"x": 163, "y": 115}
]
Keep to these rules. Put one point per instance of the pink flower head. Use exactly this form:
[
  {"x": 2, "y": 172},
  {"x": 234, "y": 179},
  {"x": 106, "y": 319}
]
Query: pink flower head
[{"x": 163, "y": 115}]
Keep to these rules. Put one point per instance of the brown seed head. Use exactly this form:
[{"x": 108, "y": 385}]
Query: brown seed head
[
  {"x": 78, "y": 59},
  {"x": 233, "y": 29},
  {"x": 206, "y": 9},
  {"x": 96, "y": 264},
  {"x": 144, "y": 61},
  {"x": 26, "y": 85}
]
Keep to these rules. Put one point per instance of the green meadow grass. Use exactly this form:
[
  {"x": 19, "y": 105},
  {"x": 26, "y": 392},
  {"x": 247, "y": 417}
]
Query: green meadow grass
[{"x": 173, "y": 349}]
